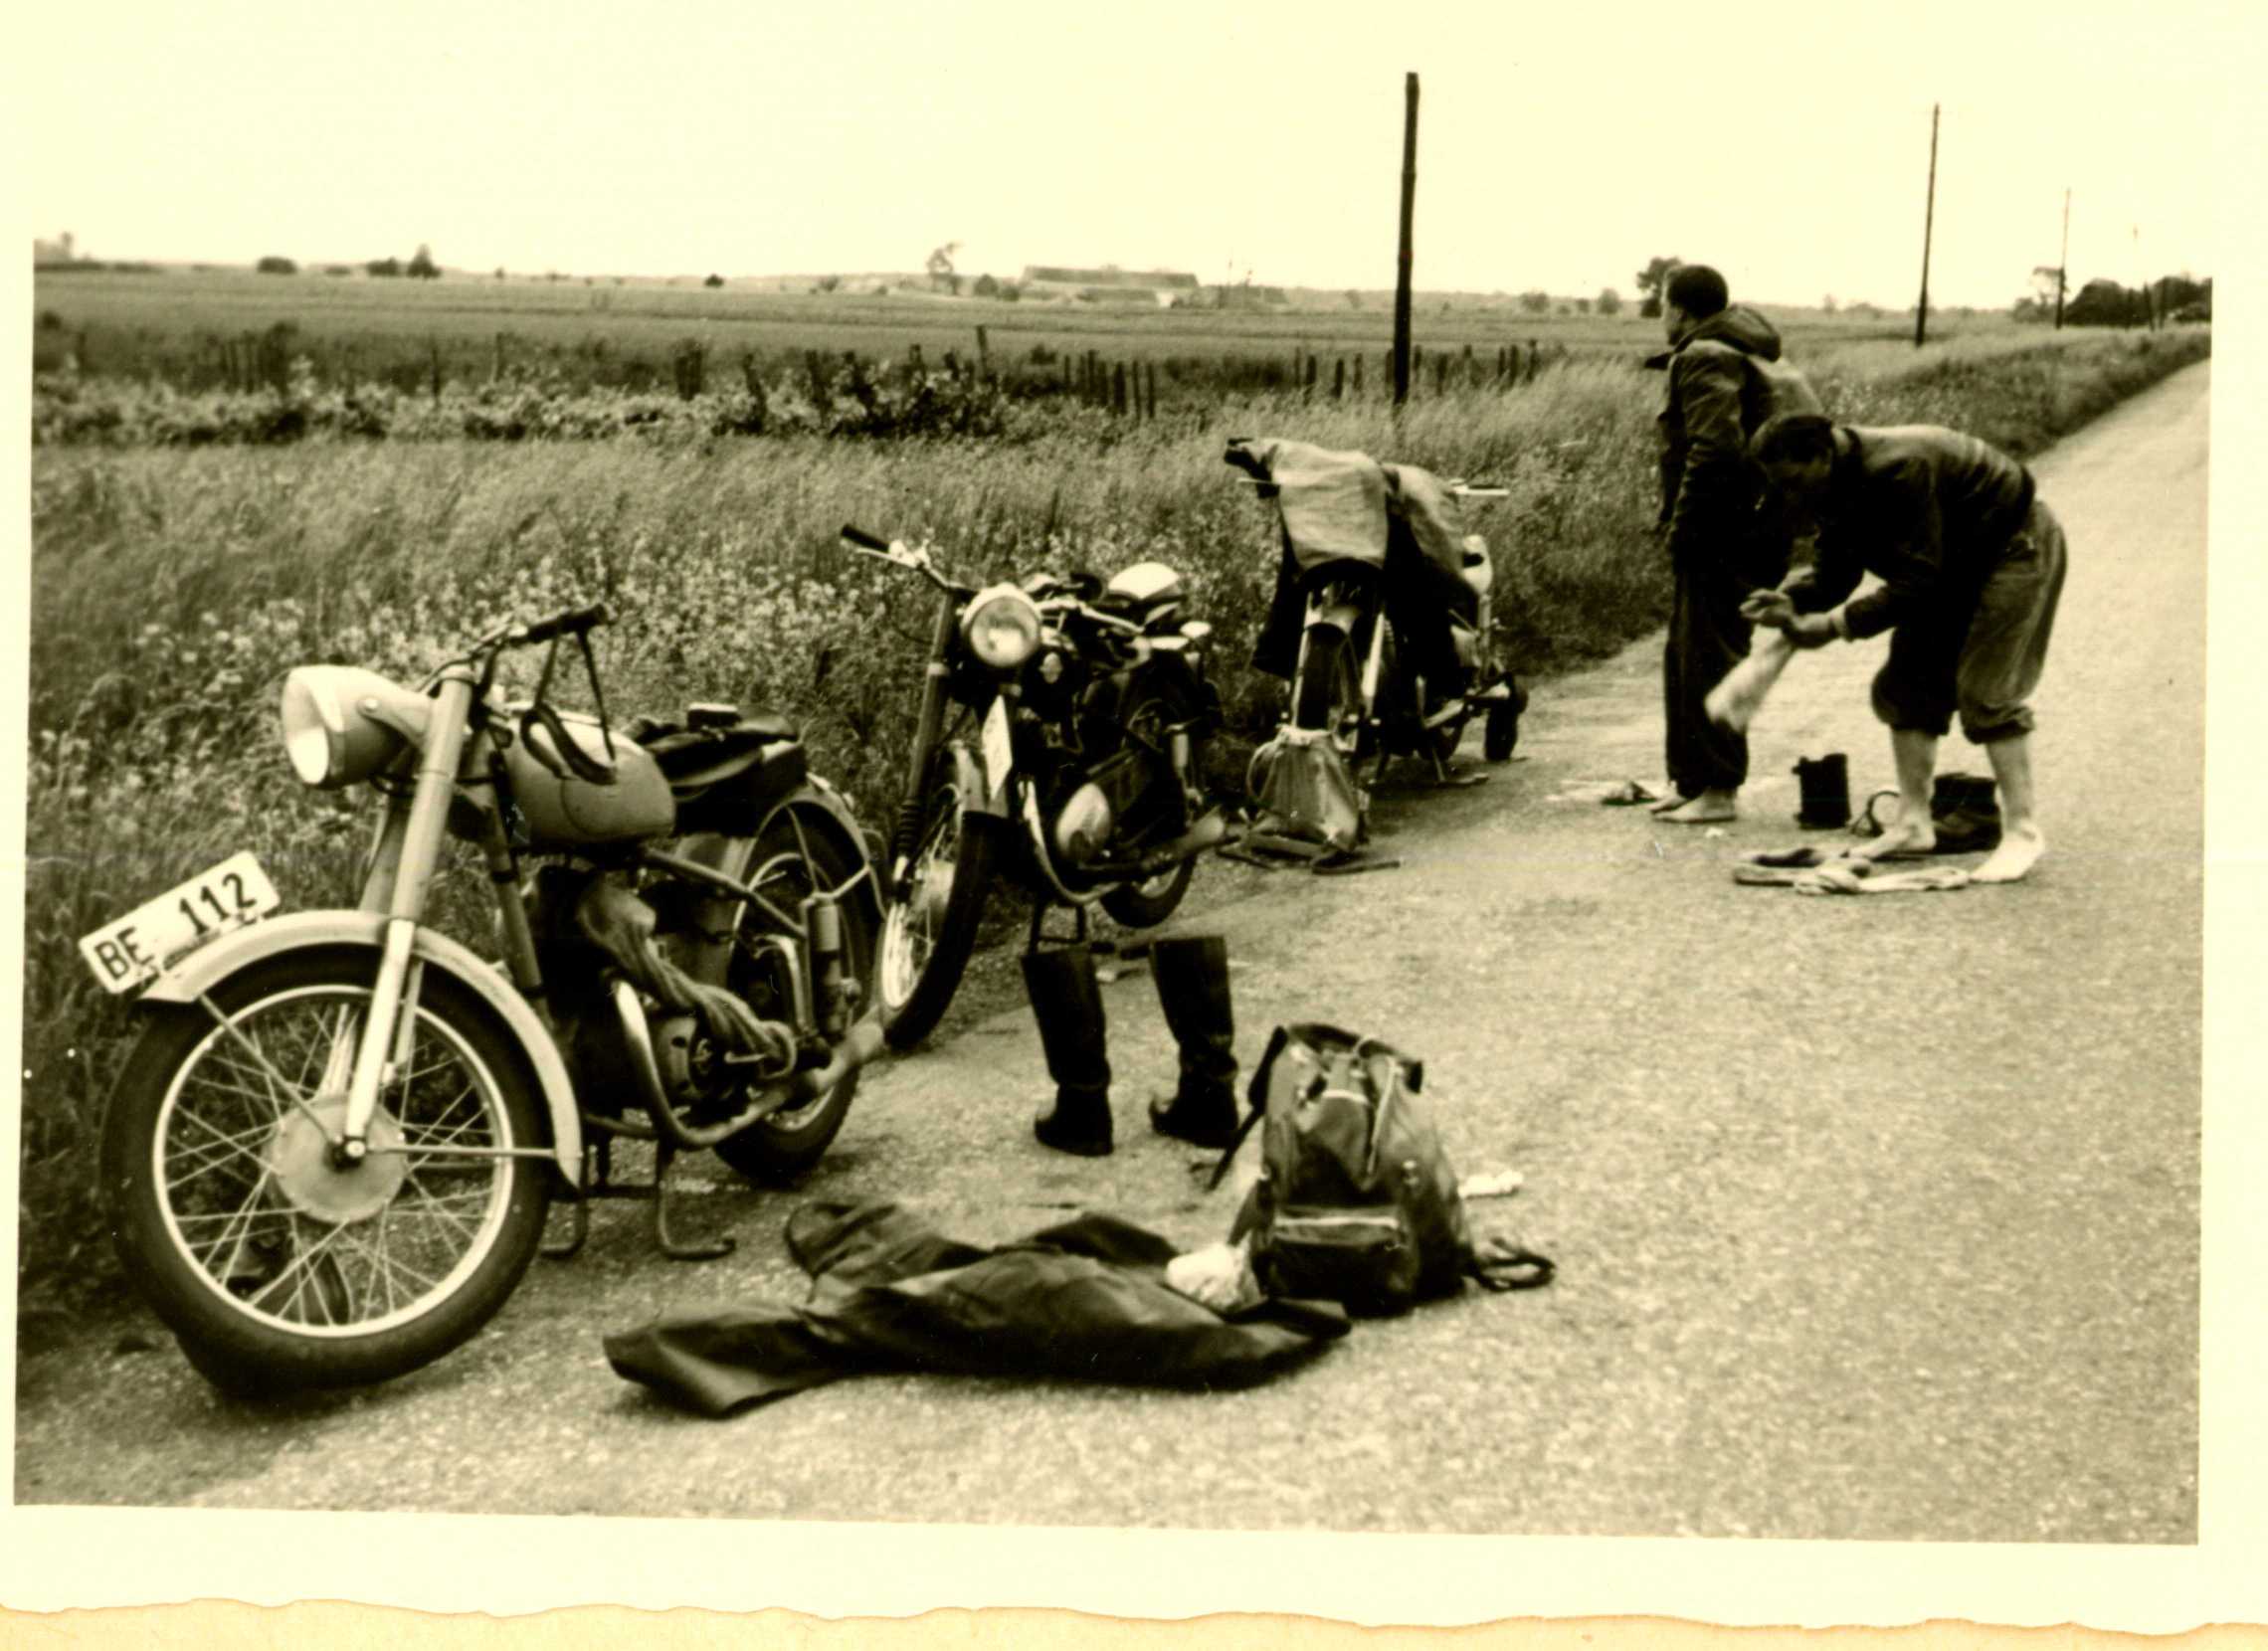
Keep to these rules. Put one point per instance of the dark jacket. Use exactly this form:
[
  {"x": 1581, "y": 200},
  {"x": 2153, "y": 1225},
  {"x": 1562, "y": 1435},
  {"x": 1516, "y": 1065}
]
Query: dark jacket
[
  {"x": 1925, "y": 510},
  {"x": 1725, "y": 378},
  {"x": 1086, "y": 1298}
]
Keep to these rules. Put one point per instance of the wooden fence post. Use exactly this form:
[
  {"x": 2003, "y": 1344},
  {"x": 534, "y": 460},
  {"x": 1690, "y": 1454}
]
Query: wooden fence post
[
  {"x": 1339, "y": 379},
  {"x": 1358, "y": 377},
  {"x": 984, "y": 355},
  {"x": 818, "y": 372},
  {"x": 1118, "y": 389},
  {"x": 1308, "y": 389},
  {"x": 1150, "y": 372},
  {"x": 433, "y": 348}
]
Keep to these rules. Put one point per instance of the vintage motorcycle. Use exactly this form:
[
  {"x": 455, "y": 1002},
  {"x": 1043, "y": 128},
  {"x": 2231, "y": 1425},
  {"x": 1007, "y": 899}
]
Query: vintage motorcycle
[
  {"x": 1382, "y": 618},
  {"x": 329, "y": 1158},
  {"x": 1089, "y": 709}
]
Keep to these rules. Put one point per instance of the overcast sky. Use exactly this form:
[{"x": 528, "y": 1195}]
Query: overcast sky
[{"x": 1559, "y": 145}]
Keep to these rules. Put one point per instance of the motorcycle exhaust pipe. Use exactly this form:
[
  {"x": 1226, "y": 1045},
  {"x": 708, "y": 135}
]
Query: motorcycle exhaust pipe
[
  {"x": 1198, "y": 838},
  {"x": 860, "y": 1044}
]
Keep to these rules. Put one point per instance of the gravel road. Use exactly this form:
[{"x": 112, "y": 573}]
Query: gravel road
[{"x": 1875, "y": 1218}]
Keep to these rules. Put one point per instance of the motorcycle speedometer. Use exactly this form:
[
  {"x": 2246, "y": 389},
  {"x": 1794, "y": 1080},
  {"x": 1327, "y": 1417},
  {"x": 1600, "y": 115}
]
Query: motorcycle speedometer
[{"x": 1001, "y": 627}]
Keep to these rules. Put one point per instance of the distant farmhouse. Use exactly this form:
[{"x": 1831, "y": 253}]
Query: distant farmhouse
[
  {"x": 62, "y": 251},
  {"x": 1145, "y": 289}
]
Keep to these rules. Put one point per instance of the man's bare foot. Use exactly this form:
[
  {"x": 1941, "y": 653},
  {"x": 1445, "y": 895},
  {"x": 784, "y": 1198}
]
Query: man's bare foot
[
  {"x": 1707, "y": 809},
  {"x": 1903, "y": 840},
  {"x": 2019, "y": 851}
]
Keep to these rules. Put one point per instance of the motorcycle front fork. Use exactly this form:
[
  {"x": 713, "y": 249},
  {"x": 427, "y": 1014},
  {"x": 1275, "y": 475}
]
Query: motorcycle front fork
[{"x": 401, "y": 874}]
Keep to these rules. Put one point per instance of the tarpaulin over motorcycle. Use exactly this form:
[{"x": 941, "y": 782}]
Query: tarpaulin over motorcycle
[
  {"x": 1332, "y": 504},
  {"x": 1084, "y": 1299}
]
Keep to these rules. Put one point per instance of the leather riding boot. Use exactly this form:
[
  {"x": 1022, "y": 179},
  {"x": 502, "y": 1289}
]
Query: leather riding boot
[
  {"x": 1068, "y": 1003},
  {"x": 1967, "y": 809},
  {"x": 1193, "y": 988}
]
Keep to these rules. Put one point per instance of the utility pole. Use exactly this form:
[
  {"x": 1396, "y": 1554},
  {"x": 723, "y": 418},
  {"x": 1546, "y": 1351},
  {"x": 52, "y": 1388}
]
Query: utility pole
[
  {"x": 2063, "y": 259},
  {"x": 2142, "y": 284},
  {"x": 1402, "y": 270},
  {"x": 1929, "y": 223}
]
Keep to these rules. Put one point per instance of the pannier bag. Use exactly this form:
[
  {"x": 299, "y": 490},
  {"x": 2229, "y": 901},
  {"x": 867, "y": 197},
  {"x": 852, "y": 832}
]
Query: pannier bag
[{"x": 1356, "y": 1202}]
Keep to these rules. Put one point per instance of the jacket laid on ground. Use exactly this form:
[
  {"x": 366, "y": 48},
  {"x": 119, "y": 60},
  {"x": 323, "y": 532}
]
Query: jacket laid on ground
[
  {"x": 1725, "y": 379},
  {"x": 1925, "y": 510},
  {"x": 1084, "y": 1299}
]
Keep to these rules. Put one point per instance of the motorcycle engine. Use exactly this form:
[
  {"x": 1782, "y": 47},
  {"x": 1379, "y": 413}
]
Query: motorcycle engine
[{"x": 1111, "y": 793}]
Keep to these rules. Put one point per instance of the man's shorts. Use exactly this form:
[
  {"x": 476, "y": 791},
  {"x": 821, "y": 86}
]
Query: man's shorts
[{"x": 1981, "y": 655}]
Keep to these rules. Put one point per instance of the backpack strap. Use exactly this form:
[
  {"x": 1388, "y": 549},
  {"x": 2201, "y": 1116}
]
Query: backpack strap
[
  {"x": 1499, "y": 1264},
  {"x": 1257, "y": 1098}
]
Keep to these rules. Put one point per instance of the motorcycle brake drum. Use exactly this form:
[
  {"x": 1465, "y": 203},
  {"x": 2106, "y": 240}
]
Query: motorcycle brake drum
[{"x": 300, "y": 1161}]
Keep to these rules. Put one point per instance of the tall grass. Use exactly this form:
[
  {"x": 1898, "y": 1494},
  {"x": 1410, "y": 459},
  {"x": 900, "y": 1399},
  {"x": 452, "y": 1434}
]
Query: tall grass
[{"x": 171, "y": 589}]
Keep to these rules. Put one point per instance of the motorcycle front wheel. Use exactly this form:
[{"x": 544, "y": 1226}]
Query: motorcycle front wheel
[
  {"x": 277, "y": 1268},
  {"x": 790, "y": 865},
  {"x": 928, "y": 934}
]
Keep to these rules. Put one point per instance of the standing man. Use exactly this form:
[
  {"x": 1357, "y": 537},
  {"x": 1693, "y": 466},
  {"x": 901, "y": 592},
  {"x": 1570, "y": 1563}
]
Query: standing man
[
  {"x": 1970, "y": 563},
  {"x": 1725, "y": 379}
]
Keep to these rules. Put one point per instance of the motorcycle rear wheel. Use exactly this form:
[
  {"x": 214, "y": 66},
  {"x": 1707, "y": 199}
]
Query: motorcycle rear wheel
[
  {"x": 788, "y": 866},
  {"x": 1146, "y": 905},
  {"x": 1328, "y": 694},
  {"x": 928, "y": 936},
  {"x": 274, "y": 1270}
]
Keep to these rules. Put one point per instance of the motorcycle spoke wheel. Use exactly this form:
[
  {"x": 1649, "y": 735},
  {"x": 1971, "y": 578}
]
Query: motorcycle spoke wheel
[
  {"x": 912, "y": 927},
  {"x": 790, "y": 864},
  {"x": 927, "y": 936},
  {"x": 278, "y": 1264},
  {"x": 285, "y": 1238}
]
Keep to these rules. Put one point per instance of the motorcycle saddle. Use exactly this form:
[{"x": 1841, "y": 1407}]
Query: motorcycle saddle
[{"x": 697, "y": 759}]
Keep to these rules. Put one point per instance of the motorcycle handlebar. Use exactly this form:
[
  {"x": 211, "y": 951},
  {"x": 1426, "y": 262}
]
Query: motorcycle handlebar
[
  {"x": 570, "y": 621},
  {"x": 864, "y": 540}
]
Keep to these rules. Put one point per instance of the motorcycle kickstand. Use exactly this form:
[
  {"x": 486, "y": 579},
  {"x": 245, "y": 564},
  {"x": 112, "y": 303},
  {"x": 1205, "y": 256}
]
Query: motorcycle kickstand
[
  {"x": 597, "y": 1163},
  {"x": 676, "y": 1249}
]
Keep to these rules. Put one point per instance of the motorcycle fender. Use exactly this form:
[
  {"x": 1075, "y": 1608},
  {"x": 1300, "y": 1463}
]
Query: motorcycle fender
[
  {"x": 1343, "y": 616},
  {"x": 206, "y": 966},
  {"x": 825, "y": 812}
]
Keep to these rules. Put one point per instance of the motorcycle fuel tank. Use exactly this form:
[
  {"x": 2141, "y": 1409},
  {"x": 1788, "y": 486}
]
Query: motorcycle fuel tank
[
  {"x": 565, "y": 812},
  {"x": 1150, "y": 589}
]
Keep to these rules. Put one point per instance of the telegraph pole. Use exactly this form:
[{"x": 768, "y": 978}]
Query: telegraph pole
[
  {"x": 1929, "y": 223},
  {"x": 1402, "y": 270},
  {"x": 2063, "y": 259}
]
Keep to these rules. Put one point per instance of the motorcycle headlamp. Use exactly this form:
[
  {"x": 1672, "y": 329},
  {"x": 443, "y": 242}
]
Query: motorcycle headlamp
[
  {"x": 1001, "y": 626},
  {"x": 342, "y": 724}
]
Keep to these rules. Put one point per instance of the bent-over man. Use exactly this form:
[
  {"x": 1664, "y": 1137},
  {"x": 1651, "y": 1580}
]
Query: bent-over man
[
  {"x": 1970, "y": 563},
  {"x": 1725, "y": 379}
]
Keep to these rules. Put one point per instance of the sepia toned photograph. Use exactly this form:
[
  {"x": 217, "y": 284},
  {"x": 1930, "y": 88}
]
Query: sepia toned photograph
[{"x": 1051, "y": 808}]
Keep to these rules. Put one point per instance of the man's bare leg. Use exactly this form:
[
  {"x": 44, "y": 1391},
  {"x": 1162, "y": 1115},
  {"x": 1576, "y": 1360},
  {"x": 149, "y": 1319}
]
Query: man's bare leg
[
  {"x": 1913, "y": 831},
  {"x": 1706, "y": 809},
  {"x": 2021, "y": 840}
]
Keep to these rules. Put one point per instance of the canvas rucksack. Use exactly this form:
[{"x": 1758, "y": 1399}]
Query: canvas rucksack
[{"x": 1356, "y": 1202}]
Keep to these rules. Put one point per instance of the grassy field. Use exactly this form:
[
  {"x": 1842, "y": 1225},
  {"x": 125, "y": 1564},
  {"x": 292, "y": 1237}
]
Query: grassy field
[
  {"x": 171, "y": 587},
  {"x": 182, "y": 325}
]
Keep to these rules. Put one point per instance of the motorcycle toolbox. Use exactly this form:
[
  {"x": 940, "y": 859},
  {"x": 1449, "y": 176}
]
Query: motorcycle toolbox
[{"x": 569, "y": 813}]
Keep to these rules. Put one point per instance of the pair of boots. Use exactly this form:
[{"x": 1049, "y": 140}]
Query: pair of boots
[{"x": 1193, "y": 990}]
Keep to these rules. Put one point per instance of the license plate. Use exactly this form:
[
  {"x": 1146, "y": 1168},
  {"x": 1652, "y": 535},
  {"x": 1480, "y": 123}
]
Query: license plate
[
  {"x": 140, "y": 944},
  {"x": 1000, "y": 751}
]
